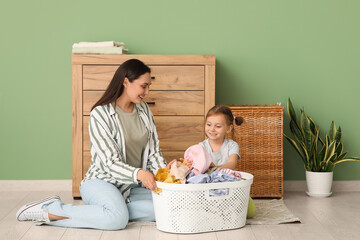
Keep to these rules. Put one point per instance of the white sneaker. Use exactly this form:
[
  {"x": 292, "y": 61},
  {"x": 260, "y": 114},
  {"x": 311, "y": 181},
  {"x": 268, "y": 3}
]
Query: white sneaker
[{"x": 33, "y": 211}]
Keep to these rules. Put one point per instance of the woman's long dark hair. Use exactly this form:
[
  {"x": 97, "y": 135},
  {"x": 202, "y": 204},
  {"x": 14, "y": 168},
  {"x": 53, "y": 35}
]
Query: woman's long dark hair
[{"x": 131, "y": 69}]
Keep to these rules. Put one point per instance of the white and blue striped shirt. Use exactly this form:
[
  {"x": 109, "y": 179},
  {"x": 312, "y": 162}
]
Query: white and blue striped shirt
[{"x": 108, "y": 157}]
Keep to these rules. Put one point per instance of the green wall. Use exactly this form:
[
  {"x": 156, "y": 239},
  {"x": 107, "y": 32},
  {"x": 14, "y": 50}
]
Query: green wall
[{"x": 266, "y": 51}]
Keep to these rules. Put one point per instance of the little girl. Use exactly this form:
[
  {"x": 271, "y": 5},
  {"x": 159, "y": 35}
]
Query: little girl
[
  {"x": 219, "y": 122},
  {"x": 224, "y": 152}
]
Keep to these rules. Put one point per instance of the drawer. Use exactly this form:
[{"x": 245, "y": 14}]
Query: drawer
[
  {"x": 98, "y": 77},
  {"x": 165, "y": 102},
  {"x": 167, "y": 155},
  {"x": 175, "y": 133},
  {"x": 179, "y": 133}
]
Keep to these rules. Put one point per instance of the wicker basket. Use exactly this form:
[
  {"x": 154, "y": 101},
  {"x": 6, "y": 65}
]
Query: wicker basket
[{"x": 260, "y": 139}]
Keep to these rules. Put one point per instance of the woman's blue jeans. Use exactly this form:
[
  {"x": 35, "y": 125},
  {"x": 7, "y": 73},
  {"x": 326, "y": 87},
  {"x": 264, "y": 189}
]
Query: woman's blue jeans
[{"x": 105, "y": 207}]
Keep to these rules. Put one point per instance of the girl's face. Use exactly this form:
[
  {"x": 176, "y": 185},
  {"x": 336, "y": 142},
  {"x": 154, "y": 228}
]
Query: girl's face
[
  {"x": 138, "y": 89},
  {"x": 216, "y": 127}
]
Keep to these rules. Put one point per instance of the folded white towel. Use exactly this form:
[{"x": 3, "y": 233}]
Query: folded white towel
[
  {"x": 99, "y": 50},
  {"x": 99, "y": 44}
]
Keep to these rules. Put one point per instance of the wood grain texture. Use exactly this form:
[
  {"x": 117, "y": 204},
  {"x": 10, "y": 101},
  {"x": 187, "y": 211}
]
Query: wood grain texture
[
  {"x": 77, "y": 105},
  {"x": 175, "y": 133},
  {"x": 98, "y": 77},
  {"x": 100, "y": 59},
  {"x": 165, "y": 102}
]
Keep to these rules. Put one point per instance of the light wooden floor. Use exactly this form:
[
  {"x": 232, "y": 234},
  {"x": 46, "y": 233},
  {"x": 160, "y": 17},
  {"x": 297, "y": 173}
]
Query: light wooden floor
[{"x": 336, "y": 217}]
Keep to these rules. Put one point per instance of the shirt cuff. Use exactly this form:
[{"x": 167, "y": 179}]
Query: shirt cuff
[{"x": 135, "y": 175}]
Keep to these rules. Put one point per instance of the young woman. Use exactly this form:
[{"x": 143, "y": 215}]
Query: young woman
[{"x": 125, "y": 152}]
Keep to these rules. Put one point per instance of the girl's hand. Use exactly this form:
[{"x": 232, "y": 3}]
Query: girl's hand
[
  {"x": 147, "y": 178},
  {"x": 170, "y": 163},
  {"x": 187, "y": 162}
]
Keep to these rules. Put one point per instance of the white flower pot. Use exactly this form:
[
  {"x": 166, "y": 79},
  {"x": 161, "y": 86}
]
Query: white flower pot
[{"x": 319, "y": 183}]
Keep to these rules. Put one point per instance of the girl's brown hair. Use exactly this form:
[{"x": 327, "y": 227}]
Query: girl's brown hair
[
  {"x": 131, "y": 69},
  {"x": 226, "y": 111}
]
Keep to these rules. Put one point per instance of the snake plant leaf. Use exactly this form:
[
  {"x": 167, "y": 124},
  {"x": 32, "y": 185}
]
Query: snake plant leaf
[
  {"x": 305, "y": 125},
  {"x": 295, "y": 130},
  {"x": 332, "y": 158},
  {"x": 332, "y": 131},
  {"x": 322, "y": 142},
  {"x": 321, "y": 168},
  {"x": 329, "y": 167},
  {"x": 348, "y": 159},
  {"x": 331, "y": 151},
  {"x": 312, "y": 125},
  {"x": 313, "y": 128},
  {"x": 293, "y": 143},
  {"x": 339, "y": 149},
  {"x": 338, "y": 135},
  {"x": 309, "y": 167},
  {"x": 314, "y": 146},
  {"x": 325, "y": 167},
  {"x": 341, "y": 156},
  {"x": 321, "y": 155},
  {"x": 291, "y": 112},
  {"x": 327, "y": 144},
  {"x": 327, "y": 141}
]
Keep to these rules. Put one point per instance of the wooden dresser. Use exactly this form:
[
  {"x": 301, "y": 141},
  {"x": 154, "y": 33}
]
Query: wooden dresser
[{"x": 182, "y": 91}]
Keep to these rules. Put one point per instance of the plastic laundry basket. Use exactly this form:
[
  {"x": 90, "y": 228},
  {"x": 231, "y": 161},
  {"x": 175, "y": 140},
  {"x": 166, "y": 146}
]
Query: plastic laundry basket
[{"x": 190, "y": 208}]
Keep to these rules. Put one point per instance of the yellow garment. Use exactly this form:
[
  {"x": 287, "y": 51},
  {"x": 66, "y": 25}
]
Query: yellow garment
[{"x": 163, "y": 175}]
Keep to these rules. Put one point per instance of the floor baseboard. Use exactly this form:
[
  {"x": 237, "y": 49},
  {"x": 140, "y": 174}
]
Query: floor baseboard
[
  {"x": 338, "y": 186},
  {"x": 35, "y": 185}
]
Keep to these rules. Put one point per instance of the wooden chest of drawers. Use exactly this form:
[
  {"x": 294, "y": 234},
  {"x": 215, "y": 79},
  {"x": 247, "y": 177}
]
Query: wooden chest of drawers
[{"x": 182, "y": 91}]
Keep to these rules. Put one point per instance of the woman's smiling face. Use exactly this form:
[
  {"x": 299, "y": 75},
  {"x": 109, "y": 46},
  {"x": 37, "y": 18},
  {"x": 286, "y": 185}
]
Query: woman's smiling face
[{"x": 138, "y": 89}]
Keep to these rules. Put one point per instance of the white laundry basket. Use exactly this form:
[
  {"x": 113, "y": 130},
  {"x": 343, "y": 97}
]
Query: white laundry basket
[{"x": 189, "y": 208}]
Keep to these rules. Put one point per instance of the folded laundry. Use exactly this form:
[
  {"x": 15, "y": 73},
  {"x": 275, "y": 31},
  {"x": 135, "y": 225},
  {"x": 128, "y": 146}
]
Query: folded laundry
[
  {"x": 200, "y": 157},
  {"x": 99, "y": 50},
  {"x": 214, "y": 177},
  {"x": 225, "y": 170},
  {"x": 179, "y": 170},
  {"x": 163, "y": 175},
  {"x": 99, "y": 44}
]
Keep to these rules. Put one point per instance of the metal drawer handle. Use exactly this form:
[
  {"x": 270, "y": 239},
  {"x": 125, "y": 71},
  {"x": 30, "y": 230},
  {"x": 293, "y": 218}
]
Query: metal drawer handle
[
  {"x": 152, "y": 78},
  {"x": 150, "y": 103}
]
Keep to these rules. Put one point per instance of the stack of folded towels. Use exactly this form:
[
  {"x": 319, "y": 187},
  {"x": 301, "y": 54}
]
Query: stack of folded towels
[{"x": 107, "y": 47}]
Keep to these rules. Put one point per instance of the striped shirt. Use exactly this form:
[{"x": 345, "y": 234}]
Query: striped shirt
[{"x": 108, "y": 156}]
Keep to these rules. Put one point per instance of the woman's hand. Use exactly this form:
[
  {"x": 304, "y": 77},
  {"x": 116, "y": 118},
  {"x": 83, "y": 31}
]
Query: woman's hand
[{"x": 147, "y": 178}]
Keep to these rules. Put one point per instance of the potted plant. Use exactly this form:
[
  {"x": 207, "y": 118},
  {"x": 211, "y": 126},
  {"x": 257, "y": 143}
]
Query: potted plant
[{"x": 319, "y": 157}]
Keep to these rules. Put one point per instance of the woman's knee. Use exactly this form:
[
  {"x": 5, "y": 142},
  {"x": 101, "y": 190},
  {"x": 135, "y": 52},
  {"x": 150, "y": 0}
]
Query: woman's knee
[{"x": 115, "y": 221}]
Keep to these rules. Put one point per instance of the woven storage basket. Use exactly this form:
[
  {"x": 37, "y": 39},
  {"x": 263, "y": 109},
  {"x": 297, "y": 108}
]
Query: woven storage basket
[
  {"x": 260, "y": 139},
  {"x": 189, "y": 208}
]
